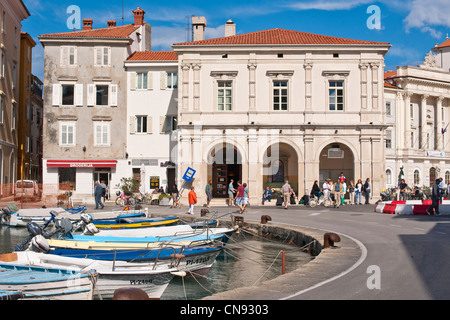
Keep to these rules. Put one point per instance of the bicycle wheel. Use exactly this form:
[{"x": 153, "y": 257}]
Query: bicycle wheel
[
  {"x": 312, "y": 203},
  {"x": 327, "y": 203},
  {"x": 132, "y": 201},
  {"x": 118, "y": 201}
]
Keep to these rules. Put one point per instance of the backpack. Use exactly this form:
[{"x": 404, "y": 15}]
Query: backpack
[{"x": 337, "y": 187}]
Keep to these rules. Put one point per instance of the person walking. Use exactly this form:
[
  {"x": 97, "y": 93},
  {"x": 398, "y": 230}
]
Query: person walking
[
  {"x": 367, "y": 190},
  {"x": 98, "y": 193},
  {"x": 245, "y": 196},
  {"x": 402, "y": 186},
  {"x": 337, "y": 191},
  {"x": 343, "y": 191},
  {"x": 351, "y": 192},
  {"x": 358, "y": 191},
  {"x": 240, "y": 196},
  {"x": 231, "y": 192},
  {"x": 174, "y": 194},
  {"x": 326, "y": 189},
  {"x": 434, "y": 198},
  {"x": 286, "y": 191},
  {"x": 208, "y": 193},
  {"x": 192, "y": 196}
]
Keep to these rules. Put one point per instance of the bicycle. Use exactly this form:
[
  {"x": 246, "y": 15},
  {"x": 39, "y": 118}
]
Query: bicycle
[
  {"x": 314, "y": 201},
  {"x": 123, "y": 200}
]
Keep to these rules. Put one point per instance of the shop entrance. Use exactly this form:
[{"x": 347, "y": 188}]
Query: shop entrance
[{"x": 226, "y": 165}]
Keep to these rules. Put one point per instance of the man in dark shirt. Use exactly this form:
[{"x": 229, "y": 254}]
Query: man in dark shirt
[
  {"x": 402, "y": 188},
  {"x": 434, "y": 198}
]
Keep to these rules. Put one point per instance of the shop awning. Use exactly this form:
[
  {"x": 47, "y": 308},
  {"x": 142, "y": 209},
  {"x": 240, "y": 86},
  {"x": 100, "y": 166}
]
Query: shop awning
[{"x": 81, "y": 163}]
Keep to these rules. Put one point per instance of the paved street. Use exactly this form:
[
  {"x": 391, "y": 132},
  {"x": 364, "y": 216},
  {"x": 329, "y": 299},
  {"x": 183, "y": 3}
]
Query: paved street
[{"x": 412, "y": 252}]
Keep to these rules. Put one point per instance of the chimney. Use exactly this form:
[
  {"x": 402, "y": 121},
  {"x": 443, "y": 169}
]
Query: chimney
[
  {"x": 87, "y": 24},
  {"x": 199, "y": 26},
  {"x": 230, "y": 28},
  {"x": 139, "y": 17},
  {"x": 111, "y": 23}
]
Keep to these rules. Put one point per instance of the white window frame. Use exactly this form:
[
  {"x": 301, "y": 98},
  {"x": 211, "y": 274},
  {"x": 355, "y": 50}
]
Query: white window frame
[
  {"x": 142, "y": 80},
  {"x": 388, "y": 176},
  {"x": 225, "y": 96},
  {"x": 104, "y": 140},
  {"x": 68, "y": 56},
  {"x": 336, "y": 88},
  {"x": 102, "y": 56},
  {"x": 67, "y": 125},
  {"x": 388, "y": 139},
  {"x": 172, "y": 80},
  {"x": 280, "y": 95},
  {"x": 139, "y": 124},
  {"x": 418, "y": 177}
]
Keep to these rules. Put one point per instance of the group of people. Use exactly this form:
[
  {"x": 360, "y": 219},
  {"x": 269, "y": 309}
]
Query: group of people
[
  {"x": 336, "y": 191},
  {"x": 238, "y": 195}
]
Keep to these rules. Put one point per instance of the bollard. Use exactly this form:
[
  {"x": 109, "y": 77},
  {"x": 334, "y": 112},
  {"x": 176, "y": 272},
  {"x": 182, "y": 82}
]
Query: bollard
[
  {"x": 239, "y": 220},
  {"x": 264, "y": 219},
  {"x": 329, "y": 239},
  {"x": 130, "y": 294}
]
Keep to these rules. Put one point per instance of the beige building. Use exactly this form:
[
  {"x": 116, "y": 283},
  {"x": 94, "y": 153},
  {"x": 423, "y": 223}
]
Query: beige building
[
  {"x": 85, "y": 104},
  {"x": 12, "y": 13},
  {"x": 279, "y": 104},
  {"x": 417, "y": 111}
]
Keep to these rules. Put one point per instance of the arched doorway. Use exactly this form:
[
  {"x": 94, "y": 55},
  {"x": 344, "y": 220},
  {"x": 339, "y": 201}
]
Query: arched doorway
[
  {"x": 334, "y": 159},
  {"x": 225, "y": 163},
  {"x": 432, "y": 175},
  {"x": 280, "y": 163}
]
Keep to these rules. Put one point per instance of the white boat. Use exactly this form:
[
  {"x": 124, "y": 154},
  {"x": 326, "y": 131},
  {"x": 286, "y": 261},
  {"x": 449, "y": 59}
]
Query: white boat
[
  {"x": 45, "y": 282},
  {"x": 152, "y": 278}
]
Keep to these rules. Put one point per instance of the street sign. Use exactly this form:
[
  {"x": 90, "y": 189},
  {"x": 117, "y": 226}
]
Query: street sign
[{"x": 189, "y": 175}]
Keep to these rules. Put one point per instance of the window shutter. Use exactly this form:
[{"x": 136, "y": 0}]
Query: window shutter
[
  {"x": 108, "y": 52},
  {"x": 106, "y": 135},
  {"x": 150, "y": 81},
  {"x": 56, "y": 94},
  {"x": 98, "y": 56},
  {"x": 64, "y": 134},
  {"x": 133, "y": 124},
  {"x": 133, "y": 78},
  {"x": 64, "y": 55},
  {"x": 75, "y": 49},
  {"x": 79, "y": 95},
  {"x": 149, "y": 125},
  {"x": 163, "y": 80},
  {"x": 91, "y": 95},
  {"x": 162, "y": 124},
  {"x": 113, "y": 101}
]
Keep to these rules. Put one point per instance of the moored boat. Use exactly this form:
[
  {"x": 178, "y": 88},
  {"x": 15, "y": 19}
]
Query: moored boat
[{"x": 134, "y": 223}]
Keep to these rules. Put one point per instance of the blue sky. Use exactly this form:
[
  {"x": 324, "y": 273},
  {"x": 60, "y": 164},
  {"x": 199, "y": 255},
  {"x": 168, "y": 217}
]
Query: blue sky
[{"x": 411, "y": 27}]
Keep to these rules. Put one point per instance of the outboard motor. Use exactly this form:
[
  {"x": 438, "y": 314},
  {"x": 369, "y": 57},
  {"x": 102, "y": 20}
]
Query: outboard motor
[
  {"x": 90, "y": 230},
  {"x": 39, "y": 244},
  {"x": 34, "y": 230}
]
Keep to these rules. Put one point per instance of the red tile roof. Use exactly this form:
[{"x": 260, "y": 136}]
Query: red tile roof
[
  {"x": 388, "y": 85},
  {"x": 121, "y": 32},
  {"x": 390, "y": 74},
  {"x": 281, "y": 37},
  {"x": 444, "y": 44},
  {"x": 153, "y": 56}
]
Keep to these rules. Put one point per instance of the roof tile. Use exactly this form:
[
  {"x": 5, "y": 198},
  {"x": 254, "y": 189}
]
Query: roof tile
[
  {"x": 153, "y": 56},
  {"x": 121, "y": 32}
]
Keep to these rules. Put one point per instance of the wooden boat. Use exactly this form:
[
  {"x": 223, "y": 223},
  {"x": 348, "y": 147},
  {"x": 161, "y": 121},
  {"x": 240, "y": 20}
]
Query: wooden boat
[
  {"x": 11, "y": 295},
  {"x": 38, "y": 282},
  {"x": 152, "y": 278},
  {"x": 134, "y": 223}
]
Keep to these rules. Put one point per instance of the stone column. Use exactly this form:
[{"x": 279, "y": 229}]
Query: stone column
[
  {"x": 407, "y": 114},
  {"x": 423, "y": 122},
  {"x": 185, "y": 82},
  {"x": 439, "y": 125}
]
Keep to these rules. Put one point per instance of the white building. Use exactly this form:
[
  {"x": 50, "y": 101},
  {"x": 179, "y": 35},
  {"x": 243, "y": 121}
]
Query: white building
[
  {"x": 279, "y": 104},
  {"x": 152, "y": 98},
  {"x": 417, "y": 110}
]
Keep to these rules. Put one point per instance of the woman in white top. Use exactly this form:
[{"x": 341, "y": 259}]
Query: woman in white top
[
  {"x": 358, "y": 192},
  {"x": 326, "y": 190}
]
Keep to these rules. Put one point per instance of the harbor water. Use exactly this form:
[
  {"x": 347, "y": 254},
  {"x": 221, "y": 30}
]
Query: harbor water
[{"x": 246, "y": 261}]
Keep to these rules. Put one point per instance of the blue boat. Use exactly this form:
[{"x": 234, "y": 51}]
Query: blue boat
[
  {"x": 137, "y": 255},
  {"x": 45, "y": 283},
  {"x": 125, "y": 222},
  {"x": 11, "y": 295}
]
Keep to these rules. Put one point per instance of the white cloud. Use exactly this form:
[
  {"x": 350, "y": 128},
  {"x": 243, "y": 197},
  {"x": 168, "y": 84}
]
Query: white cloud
[
  {"x": 426, "y": 13},
  {"x": 328, "y": 5}
]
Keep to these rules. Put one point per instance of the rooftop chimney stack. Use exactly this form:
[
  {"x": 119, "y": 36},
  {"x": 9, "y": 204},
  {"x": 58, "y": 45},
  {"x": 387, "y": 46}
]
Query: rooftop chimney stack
[
  {"x": 87, "y": 24},
  {"x": 139, "y": 17},
  {"x": 111, "y": 23},
  {"x": 230, "y": 28},
  {"x": 199, "y": 26}
]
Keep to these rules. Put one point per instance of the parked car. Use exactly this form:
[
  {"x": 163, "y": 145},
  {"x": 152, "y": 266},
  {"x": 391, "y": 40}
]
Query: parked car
[{"x": 27, "y": 190}]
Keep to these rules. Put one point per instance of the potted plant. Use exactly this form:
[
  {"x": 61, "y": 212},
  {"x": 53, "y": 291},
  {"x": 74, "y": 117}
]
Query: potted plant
[
  {"x": 128, "y": 186},
  {"x": 164, "y": 199}
]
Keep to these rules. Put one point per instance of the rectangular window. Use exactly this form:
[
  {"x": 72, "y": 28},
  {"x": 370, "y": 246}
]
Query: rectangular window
[
  {"x": 67, "y": 91},
  {"x": 102, "y": 56},
  {"x": 172, "y": 80},
  {"x": 141, "y": 124},
  {"x": 67, "y": 135},
  {"x": 68, "y": 176},
  {"x": 4, "y": 22},
  {"x": 388, "y": 139},
  {"x": 68, "y": 56},
  {"x": 388, "y": 108},
  {"x": 102, "y": 95},
  {"x": 225, "y": 96},
  {"x": 171, "y": 124},
  {"x": 13, "y": 116},
  {"x": 412, "y": 140},
  {"x": 336, "y": 95},
  {"x": 3, "y": 64},
  {"x": 2, "y": 107},
  {"x": 142, "y": 80},
  {"x": 101, "y": 134},
  {"x": 280, "y": 95}
]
